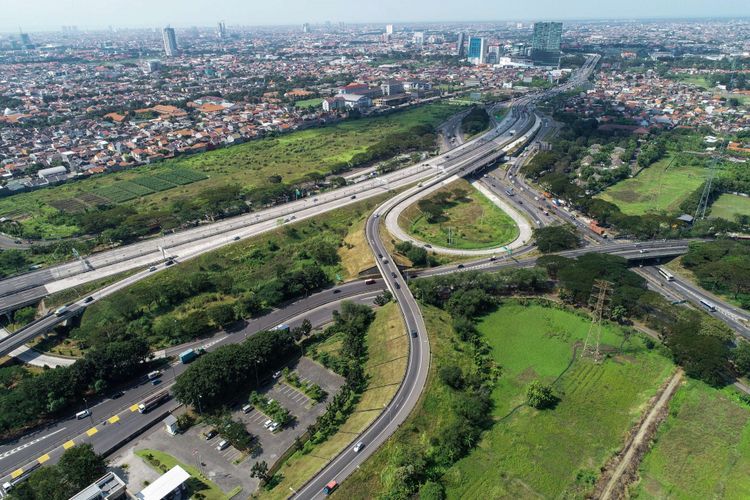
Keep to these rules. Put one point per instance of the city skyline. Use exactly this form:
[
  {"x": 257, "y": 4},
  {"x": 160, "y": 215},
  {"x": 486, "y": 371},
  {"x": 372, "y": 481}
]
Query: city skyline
[{"x": 87, "y": 15}]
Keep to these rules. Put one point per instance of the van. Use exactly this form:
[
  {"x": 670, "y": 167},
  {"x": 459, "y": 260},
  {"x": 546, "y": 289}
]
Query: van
[
  {"x": 83, "y": 414},
  {"x": 223, "y": 445},
  {"x": 247, "y": 408},
  {"x": 154, "y": 374}
]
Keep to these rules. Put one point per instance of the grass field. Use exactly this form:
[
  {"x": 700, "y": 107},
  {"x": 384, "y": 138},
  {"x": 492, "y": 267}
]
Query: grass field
[
  {"x": 554, "y": 453},
  {"x": 729, "y": 205},
  {"x": 386, "y": 365},
  {"x": 198, "y": 484},
  {"x": 472, "y": 221},
  {"x": 701, "y": 451},
  {"x": 657, "y": 188},
  {"x": 309, "y": 103},
  {"x": 247, "y": 165}
]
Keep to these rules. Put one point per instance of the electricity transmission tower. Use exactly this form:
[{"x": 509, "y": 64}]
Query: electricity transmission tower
[
  {"x": 600, "y": 297},
  {"x": 700, "y": 210}
]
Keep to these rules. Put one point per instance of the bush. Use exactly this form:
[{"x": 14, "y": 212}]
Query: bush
[{"x": 540, "y": 396}]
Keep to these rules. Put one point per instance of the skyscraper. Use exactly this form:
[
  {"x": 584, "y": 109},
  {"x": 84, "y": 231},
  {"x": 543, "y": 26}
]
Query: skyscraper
[
  {"x": 477, "y": 49},
  {"x": 545, "y": 44},
  {"x": 221, "y": 30},
  {"x": 306, "y": 28},
  {"x": 170, "y": 41},
  {"x": 460, "y": 44},
  {"x": 418, "y": 37},
  {"x": 389, "y": 29}
]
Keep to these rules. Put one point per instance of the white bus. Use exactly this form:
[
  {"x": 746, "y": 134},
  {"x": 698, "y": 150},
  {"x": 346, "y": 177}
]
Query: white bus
[
  {"x": 666, "y": 274},
  {"x": 708, "y": 305}
]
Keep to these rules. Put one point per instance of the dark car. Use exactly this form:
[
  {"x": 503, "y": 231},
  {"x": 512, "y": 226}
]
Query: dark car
[
  {"x": 414, "y": 333},
  {"x": 460, "y": 266},
  {"x": 393, "y": 275},
  {"x": 118, "y": 394},
  {"x": 336, "y": 290},
  {"x": 88, "y": 299},
  {"x": 211, "y": 434},
  {"x": 398, "y": 286},
  {"x": 353, "y": 196}
]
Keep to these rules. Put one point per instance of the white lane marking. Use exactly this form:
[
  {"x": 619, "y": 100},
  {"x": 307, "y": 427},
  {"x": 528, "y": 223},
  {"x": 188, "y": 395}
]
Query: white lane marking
[{"x": 30, "y": 443}]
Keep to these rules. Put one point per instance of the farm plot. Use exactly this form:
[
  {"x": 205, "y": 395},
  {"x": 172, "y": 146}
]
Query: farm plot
[{"x": 154, "y": 183}]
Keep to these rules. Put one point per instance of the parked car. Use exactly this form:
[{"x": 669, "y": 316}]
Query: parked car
[
  {"x": 83, "y": 414},
  {"x": 223, "y": 445},
  {"x": 268, "y": 423},
  {"x": 247, "y": 408},
  {"x": 211, "y": 434}
]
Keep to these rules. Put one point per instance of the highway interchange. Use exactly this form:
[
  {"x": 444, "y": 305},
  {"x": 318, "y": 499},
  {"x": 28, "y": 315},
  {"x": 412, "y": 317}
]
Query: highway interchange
[{"x": 114, "y": 421}]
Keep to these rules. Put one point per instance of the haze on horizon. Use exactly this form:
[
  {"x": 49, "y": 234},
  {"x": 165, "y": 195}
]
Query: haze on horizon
[{"x": 40, "y": 15}]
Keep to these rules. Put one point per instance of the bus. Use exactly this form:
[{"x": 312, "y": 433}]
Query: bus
[
  {"x": 666, "y": 274},
  {"x": 708, "y": 305},
  {"x": 152, "y": 402}
]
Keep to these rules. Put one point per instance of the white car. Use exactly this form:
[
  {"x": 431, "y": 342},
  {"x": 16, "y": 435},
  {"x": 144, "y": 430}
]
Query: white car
[
  {"x": 268, "y": 423},
  {"x": 273, "y": 427},
  {"x": 358, "y": 446}
]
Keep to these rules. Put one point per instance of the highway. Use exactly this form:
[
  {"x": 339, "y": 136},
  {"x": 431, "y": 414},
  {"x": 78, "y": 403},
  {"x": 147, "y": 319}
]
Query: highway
[{"x": 19, "y": 454}]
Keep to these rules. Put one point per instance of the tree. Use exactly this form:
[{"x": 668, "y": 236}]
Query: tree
[
  {"x": 452, "y": 376},
  {"x": 81, "y": 466},
  {"x": 260, "y": 470},
  {"x": 24, "y": 315},
  {"x": 540, "y": 396},
  {"x": 741, "y": 357},
  {"x": 383, "y": 298},
  {"x": 432, "y": 490},
  {"x": 555, "y": 238},
  {"x": 221, "y": 314}
]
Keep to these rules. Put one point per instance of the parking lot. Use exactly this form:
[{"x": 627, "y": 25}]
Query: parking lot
[{"x": 230, "y": 468}]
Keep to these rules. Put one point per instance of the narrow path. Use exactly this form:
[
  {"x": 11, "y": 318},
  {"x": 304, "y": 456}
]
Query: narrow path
[{"x": 629, "y": 459}]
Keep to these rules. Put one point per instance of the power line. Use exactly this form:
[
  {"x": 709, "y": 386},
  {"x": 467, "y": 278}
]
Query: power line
[{"x": 600, "y": 297}]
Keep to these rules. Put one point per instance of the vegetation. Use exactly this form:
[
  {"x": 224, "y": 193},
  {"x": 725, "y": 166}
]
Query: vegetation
[
  {"x": 312, "y": 390},
  {"x": 129, "y": 204},
  {"x": 477, "y": 120},
  {"x": 387, "y": 344},
  {"x": 242, "y": 280},
  {"x": 722, "y": 266},
  {"x": 556, "y": 238},
  {"x": 78, "y": 467},
  {"x": 199, "y": 486},
  {"x": 233, "y": 431},
  {"x": 272, "y": 409},
  {"x": 701, "y": 450},
  {"x": 212, "y": 380},
  {"x": 556, "y": 452},
  {"x": 540, "y": 396},
  {"x": 731, "y": 207},
  {"x": 54, "y": 393},
  {"x": 458, "y": 216}
]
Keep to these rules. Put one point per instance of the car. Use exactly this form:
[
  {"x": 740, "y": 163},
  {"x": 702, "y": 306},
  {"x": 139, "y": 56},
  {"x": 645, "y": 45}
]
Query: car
[
  {"x": 493, "y": 258},
  {"x": 427, "y": 245},
  {"x": 211, "y": 434},
  {"x": 273, "y": 426},
  {"x": 370, "y": 282},
  {"x": 380, "y": 256},
  {"x": 385, "y": 261},
  {"x": 169, "y": 262},
  {"x": 223, "y": 445},
  {"x": 358, "y": 446},
  {"x": 88, "y": 299},
  {"x": 83, "y": 414},
  {"x": 353, "y": 196},
  {"x": 247, "y": 408},
  {"x": 393, "y": 275},
  {"x": 460, "y": 266},
  {"x": 414, "y": 333},
  {"x": 236, "y": 238},
  {"x": 268, "y": 423},
  {"x": 117, "y": 395},
  {"x": 642, "y": 250},
  {"x": 336, "y": 290},
  {"x": 398, "y": 287},
  {"x": 156, "y": 381},
  {"x": 315, "y": 199},
  {"x": 275, "y": 375},
  {"x": 152, "y": 269}
]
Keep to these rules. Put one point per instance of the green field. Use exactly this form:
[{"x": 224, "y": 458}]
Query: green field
[
  {"x": 701, "y": 451},
  {"x": 472, "y": 221},
  {"x": 727, "y": 206},
  {"x": 554, "y": 453},
  {"x": 309, "y": 103},
  {"x": 150, "y": 188},
  {"x": 656, "y": 188}
]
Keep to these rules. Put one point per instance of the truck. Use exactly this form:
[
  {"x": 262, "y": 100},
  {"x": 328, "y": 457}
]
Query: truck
[
  {"x": 7, "y": 486},
  {"x": 328, "y": 488},
  {"x": 153, "y": 401},
  {"x": 187, "y": 356},
  {"x": 61, "y": 310},
  {"x": 282, "y": 327}
]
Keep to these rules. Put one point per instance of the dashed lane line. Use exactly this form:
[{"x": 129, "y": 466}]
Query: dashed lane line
[{"x": 30, "y": 443}]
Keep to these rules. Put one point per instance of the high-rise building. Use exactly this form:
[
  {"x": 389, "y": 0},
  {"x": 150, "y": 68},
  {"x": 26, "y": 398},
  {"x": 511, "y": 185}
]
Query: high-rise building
[
  {"x": 460, "y": 44},
  {"x": 26, "y": 42},
  {"x": 545, "y": 44},
  {"x": 221, "y": 30},
  {"x": 418, "y": 37},
  {"x": 170, "y": 41},
  {"x": 306, "y": 28},
  {"x": 477, "y": 49},
  {"x": 389, "y": 29}
]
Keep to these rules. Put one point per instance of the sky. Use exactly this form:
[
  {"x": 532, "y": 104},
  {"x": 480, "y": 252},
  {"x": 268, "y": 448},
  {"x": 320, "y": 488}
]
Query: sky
[{"x": 38, "y": 15}]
